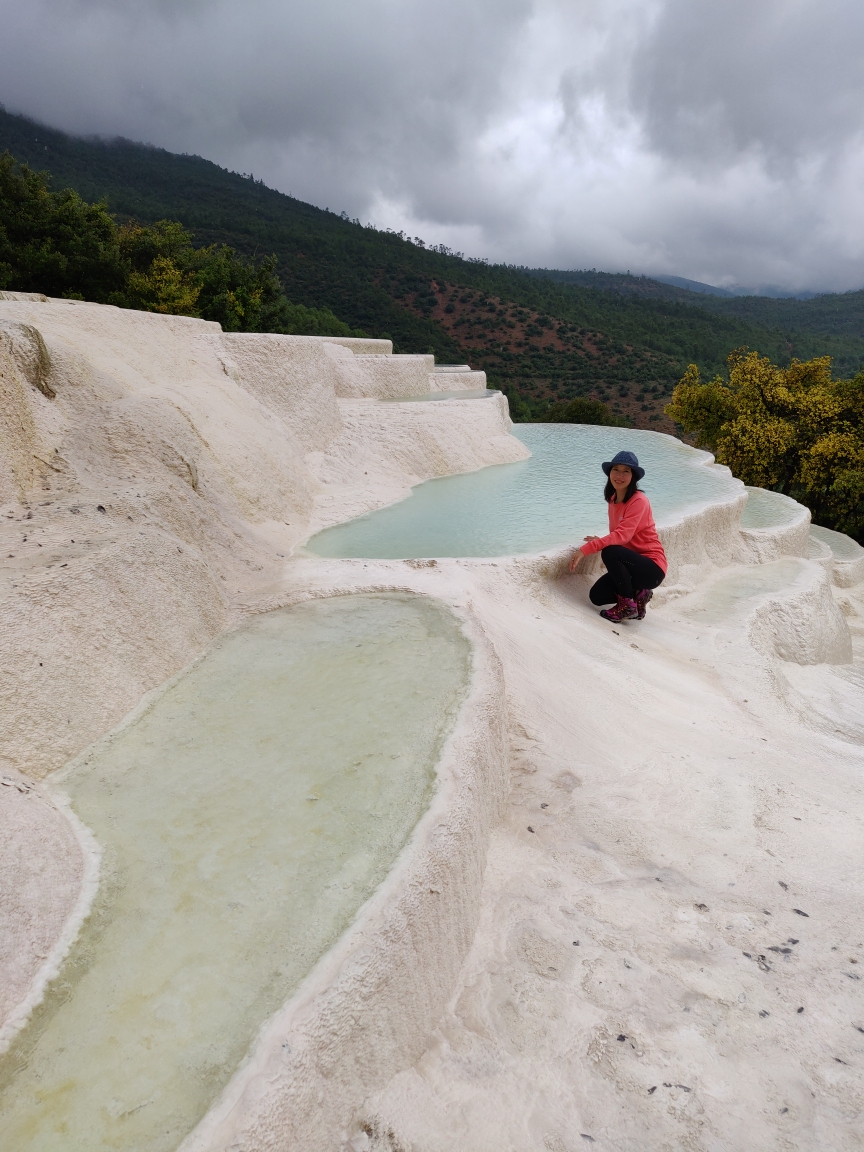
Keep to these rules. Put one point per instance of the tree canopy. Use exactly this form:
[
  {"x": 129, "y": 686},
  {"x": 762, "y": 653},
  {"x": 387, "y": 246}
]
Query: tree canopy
[
  {"x": 58, "y": 244},
  {"x": 794, "y": 430}
]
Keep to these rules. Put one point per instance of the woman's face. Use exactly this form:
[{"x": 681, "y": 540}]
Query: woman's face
[{"x": 620, "y": 475}]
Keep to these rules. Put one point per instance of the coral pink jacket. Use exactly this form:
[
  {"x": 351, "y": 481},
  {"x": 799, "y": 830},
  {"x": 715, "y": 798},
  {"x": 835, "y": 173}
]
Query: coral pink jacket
[{"x": 632, "y": 525}]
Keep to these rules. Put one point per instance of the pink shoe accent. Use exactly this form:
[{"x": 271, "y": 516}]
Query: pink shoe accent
[
  {"x": 625, "y": 609},
  {"x": 642, "y": 597}
]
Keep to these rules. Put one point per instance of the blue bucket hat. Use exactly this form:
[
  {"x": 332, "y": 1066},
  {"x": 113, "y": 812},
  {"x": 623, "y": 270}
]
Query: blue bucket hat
[{"x": 624, "y": 458}]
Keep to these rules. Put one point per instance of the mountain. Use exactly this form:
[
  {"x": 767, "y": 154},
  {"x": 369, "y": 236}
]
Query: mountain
[
  {"x": 712, "y": 289},
  {"x": 694, "y": 286},
  {"x": 541, "y": 335},
  {"x": 834, "y": 315}
]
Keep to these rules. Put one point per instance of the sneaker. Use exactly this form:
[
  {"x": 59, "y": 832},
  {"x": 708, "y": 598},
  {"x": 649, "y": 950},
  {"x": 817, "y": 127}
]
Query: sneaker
[
  {"x": 625, "y": 609},
  {"x": 642, "y": 597}
]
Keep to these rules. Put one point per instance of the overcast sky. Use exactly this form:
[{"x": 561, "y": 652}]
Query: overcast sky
[{"x": 721, "y": 140}]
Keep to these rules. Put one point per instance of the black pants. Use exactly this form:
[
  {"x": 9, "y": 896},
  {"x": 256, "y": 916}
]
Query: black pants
[{"x": 627, "y": 572}]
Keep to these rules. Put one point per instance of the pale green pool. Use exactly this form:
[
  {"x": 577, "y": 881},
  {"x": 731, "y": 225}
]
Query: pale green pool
[
  {"x": 244, "y": 816},
  {"x": 554, "y": 498},
  {"x": 843, "y": 547},
  {"x": 767, "y": 509},
  {"x": 719, "y": 600}
]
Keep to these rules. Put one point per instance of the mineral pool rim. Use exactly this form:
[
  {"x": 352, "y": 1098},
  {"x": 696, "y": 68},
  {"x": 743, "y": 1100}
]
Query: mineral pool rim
[
  {"x": 548, "y": 501},
  {"x": 767, "y": 509},
  {"x": 426, "y": 397}
]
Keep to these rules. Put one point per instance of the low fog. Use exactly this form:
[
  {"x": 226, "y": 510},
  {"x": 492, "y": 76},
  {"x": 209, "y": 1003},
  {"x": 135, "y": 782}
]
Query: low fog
[{"x": 721, "y": 140}]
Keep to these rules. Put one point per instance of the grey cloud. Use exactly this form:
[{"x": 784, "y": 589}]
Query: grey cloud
[
  {"x": 721, "y": 140},
  {"x": 714, "y": 80},
  {"x": 334, "y": 98}
]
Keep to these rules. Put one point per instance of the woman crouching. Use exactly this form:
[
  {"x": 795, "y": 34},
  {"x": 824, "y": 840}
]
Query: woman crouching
[{"x": 632, "y": 552}]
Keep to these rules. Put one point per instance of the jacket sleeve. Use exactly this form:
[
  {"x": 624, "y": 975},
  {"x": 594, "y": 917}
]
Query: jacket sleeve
[{"x": 635, "y": 514}]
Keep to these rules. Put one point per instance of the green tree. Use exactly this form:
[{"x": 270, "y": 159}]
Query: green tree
[
  {"x": 794, "y": 430},
  {"x": 701, "y": 408},
  {"x": 159, "y": 277},
  {"x": 55, "y": 242},
  {"x": 168, "y": 274}
]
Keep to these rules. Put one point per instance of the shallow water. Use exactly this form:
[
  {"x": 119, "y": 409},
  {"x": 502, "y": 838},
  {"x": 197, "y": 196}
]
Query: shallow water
[
  {"x": 726, "y": 595},
  {"x": 245, "y": 816},
  {"x": 554, "y": 498},
  {"x": 816, "y": 550},
  {"x": 767, "y": 509},
  {"x": 465, "y": 394},
  {"x": 843, "y": 547}
]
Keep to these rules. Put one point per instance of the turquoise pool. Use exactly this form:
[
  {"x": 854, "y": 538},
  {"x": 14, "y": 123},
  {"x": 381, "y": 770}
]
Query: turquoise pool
[{"x": 552, "y": 499}]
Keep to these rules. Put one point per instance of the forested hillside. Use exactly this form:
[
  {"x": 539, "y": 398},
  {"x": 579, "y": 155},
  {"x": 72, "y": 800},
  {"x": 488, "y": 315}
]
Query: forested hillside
[{"x": 542, "y": 335}]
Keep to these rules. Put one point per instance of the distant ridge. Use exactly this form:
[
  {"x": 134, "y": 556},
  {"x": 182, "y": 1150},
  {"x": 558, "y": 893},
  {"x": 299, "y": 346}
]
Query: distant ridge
[
  {"x": 542, "y": 335},
  {"x": 769, "y": 290},
  {"x": 694, "y": 286}
]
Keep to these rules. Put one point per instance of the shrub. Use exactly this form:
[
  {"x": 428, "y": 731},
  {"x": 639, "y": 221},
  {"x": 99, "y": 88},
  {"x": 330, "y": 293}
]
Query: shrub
[{"x": 794, "y": 430}]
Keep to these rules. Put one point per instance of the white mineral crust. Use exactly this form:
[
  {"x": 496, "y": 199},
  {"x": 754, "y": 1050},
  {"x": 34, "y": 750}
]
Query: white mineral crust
[{"x": 665, "y": 947}]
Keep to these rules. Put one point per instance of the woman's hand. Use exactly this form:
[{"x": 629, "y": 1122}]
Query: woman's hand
[{"x": 578, "y": 554}]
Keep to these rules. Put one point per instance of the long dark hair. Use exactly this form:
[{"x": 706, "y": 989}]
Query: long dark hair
[{"x": 633, "y": 486}]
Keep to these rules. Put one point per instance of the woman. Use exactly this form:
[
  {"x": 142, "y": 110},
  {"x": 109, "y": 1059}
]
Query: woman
[{"x": 632, "y": 552}]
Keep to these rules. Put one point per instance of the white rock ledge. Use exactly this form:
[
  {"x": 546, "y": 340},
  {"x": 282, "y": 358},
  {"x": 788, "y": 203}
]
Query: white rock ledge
[{"x": 802, "y": 623}]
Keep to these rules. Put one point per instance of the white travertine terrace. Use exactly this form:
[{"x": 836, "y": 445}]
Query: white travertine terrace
[{"x": 589, "y": 933}]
